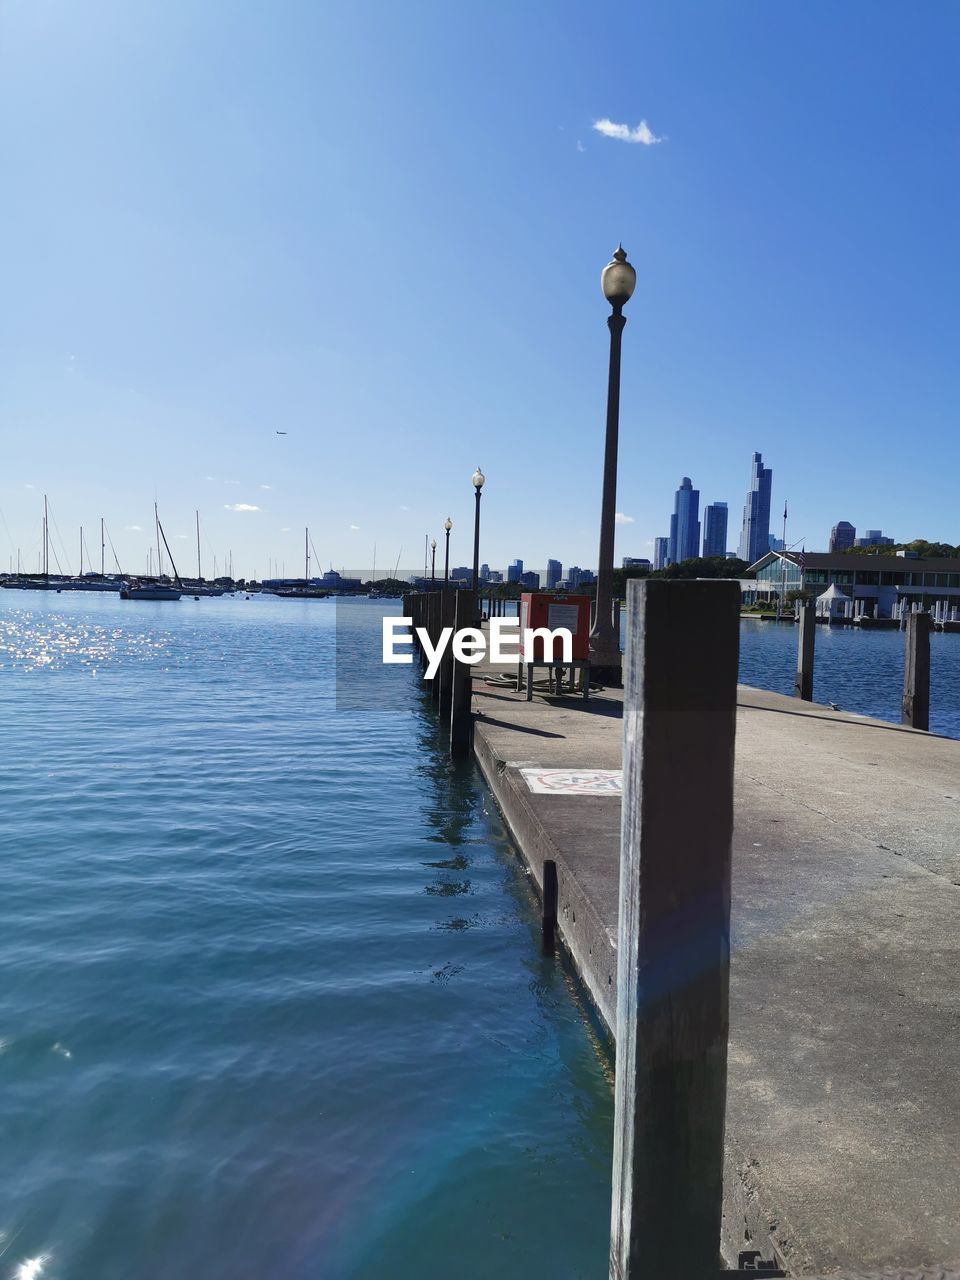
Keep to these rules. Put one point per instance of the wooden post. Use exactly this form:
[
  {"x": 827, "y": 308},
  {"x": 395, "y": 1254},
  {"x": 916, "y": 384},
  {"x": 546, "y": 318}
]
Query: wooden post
[
  {"x": 803, "y": 681},
  {"x": 673, "y": 954},
  {"x": 434, "y": 608},
  {"x": 548, "y": 921},
  {"x": 423, "y": 603},
  {"x": 915, "y": 707},
  {"x": 444, "y": 679},
  {"x": 462, "y": 684}
]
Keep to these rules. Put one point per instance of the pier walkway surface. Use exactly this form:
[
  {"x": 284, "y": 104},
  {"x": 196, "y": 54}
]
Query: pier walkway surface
[{"x": 843, "y": 1106}]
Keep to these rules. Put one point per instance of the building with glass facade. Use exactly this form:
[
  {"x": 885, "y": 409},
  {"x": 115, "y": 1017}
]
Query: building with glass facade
[
  {"x": 755, "y": 534},
  {"x": 715, "y": 529},
  {"x": 842, "y": 536},
  {"x": 661, "y": 549},
  {"x": 554, "y": 574},
  {"x": 685, "y": 523},
  {"x": 879, "y": 581}
]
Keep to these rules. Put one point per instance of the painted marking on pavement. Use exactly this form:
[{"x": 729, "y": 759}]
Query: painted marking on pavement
[{"x": 574, "y": 782}]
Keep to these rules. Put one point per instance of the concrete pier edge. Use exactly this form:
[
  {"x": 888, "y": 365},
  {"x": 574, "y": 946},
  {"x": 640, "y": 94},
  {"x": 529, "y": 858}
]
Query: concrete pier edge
[{"x": 508, "y": 734}]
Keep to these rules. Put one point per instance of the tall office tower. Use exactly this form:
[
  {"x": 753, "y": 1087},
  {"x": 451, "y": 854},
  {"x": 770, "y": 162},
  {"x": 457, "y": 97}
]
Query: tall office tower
[
  {"x": 484, "y": 572},
  {"x": 755, "y": 535},
  {"x": 842, "y": 536},
  {"x": 685, "y": 523},
  {"x": 715, "y": 529},
  {"x": 661, "y": 549},
  {"x": 514, "y": 571},
  {"x": 554, "y": 574}
]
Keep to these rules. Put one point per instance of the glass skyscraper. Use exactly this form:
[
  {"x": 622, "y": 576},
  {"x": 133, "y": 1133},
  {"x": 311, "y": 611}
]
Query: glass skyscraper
[
  {"x": 685, "y": 523},
  {"x": 715, "y": 529},
  {"x": 755, "y": 535},
  {"x": 661, "y": 549}
]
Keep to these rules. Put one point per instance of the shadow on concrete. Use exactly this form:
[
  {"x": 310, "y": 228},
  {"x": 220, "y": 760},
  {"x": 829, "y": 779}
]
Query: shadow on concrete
[
  {"x": 862, "y": 724},
  {"x": 519, "y": 728},
  {"x": 572, "y": 702}
]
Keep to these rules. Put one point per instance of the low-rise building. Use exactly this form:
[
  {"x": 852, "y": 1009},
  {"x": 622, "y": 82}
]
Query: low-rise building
[{"x": 878, "y": 581}]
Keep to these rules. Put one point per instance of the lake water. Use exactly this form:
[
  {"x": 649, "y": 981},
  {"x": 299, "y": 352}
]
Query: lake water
[
  {"x": 274, "y": 1001},
  {"x": 860, "y": 671}
]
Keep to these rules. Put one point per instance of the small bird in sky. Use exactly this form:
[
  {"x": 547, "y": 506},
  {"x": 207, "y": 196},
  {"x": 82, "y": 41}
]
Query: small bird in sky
[{"x": 281, "y": 433}]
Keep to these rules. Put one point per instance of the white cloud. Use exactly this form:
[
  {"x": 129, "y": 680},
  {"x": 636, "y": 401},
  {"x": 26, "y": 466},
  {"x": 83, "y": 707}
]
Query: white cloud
[
  {"x": 239, "y": 506},
  {"x": 133, "y": 528},
  {"x": 285, "y": 529},
  {"x": 265, "y": 486},
  {"x": 231, "y": 482},
  {"x": 210, "y": 477},
  {"x": 402, "y": 507},
  {"x": 580, "y": 146},
  {"x": 642, "y": 134},
  {"x": 620, "y": 518},
  {"x": 29, "y": 486},
  {"x": 355, "y": 528}
]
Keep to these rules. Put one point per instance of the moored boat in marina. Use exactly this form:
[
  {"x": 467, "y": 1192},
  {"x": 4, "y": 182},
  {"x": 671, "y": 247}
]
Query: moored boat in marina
[{"x": 137, "y": 590}]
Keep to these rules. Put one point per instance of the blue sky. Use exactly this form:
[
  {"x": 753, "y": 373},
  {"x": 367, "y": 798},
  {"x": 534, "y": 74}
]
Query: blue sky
[{"x": 380, "y": 227}]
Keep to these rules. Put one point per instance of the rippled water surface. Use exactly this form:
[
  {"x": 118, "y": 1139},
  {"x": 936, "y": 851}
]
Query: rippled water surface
[
  {"x": 860, "y": 671},
  {"x": 273, "y": 1003}
]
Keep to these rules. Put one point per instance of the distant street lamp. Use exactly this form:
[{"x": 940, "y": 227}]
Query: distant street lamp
[
  {"x": 617, "y": 281},
  {"x": 448, "y": 525},
  {"x": 478, "y": 479},
  {"x": 433, "y": 559}
]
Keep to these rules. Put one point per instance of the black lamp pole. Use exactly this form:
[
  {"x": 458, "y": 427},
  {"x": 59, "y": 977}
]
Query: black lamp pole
[
  {"x": 478, "y": 481},
  {"x": 617, "y": 281},
  {"x": 433, "y": 559},
  {"x": 447, "y": 525}
]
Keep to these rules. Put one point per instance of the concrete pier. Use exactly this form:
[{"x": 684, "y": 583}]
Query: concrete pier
[{"x": 843, "y": 1107}]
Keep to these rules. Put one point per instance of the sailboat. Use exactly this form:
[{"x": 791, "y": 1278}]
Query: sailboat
[
  {"x": 93, "y": 581},
  {"x": 202, "y": 588},
  {"x": 137, "y": 590},
  {"x": 307, "y": 591}
]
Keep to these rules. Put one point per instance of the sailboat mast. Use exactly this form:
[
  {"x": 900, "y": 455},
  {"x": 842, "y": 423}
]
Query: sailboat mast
[
  {"x": 306, "y": 557},
  {"x": 103, "y": 546},
  {"x": 176, "y": 575},
  {"x": 46, "y": 539},
  {"x": 199, "y": 572},
  {"x": 156, "y": 517}
]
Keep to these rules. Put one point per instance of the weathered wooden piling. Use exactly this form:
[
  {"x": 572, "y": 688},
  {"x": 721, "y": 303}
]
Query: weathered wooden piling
[
  {"x": 444, "y": 677},
  {"x": 915, "y": 706},
  {"x": 461, "y": 720},
  {"x": 548, "y": 922},
  {"x": 435, "y": 613},
  {"x": 803, "y": 680},
  {"x": 673, "y": 955}
]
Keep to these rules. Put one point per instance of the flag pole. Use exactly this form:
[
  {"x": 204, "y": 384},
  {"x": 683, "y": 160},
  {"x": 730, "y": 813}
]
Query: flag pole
[{"x": 783, "y": 564}]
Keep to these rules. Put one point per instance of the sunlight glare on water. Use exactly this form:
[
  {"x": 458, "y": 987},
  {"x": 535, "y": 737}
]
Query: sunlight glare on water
[{"x": 275, "y": 1001}]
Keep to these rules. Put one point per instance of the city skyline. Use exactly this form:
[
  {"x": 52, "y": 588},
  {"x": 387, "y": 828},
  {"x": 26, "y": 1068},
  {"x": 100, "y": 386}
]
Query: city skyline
[
  {"x": 184, "y": 321},
  {"x": 136, "y": 557}
]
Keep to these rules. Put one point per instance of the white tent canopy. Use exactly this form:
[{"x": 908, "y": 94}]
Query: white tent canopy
[{"x": 833, "y": 602}]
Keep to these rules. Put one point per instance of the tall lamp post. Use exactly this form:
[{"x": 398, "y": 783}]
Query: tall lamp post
[
  {"x": 617, "y": 281},
  {"x": 447, "y": 525},
  {"x": 433, "y": 559},
  {"x": 478, "y": 479}
]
